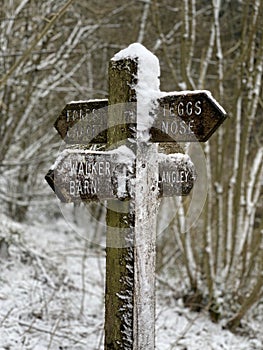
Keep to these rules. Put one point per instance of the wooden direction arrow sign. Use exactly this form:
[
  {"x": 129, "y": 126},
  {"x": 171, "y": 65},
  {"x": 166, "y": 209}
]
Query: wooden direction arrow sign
[
  {"x": 186, "y": 116},
  {"x": 83, "y": 122},
  {"x": 176, "y": 175},
  {"x": 80, "y": 175}
]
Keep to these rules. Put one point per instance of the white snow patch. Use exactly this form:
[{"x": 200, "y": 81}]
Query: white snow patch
[
  {"x": 181, "y": 159},
  {"x": 149, "y": 68},
  {"x": 178, "y": 328},
  {"x": 125, "y": 154},
  {"x": 126, "y": 157},
  {"x": 35, "y": 315},
  {"x": 147, "y": 87},
  {"x": 90, "y": 100}
]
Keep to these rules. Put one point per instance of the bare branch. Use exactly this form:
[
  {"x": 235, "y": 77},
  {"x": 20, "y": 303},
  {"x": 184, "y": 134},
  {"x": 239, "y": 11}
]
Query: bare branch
[{"x": 34, "y": 43}]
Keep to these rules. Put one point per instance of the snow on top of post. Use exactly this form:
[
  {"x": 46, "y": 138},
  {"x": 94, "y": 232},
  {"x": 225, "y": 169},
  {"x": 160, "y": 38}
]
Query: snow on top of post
[
  {"x": 147, "y": 87},
  {"x": 148, "y": 69}
]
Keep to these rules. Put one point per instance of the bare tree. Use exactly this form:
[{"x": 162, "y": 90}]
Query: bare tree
[{"x": 226, "y": 264}]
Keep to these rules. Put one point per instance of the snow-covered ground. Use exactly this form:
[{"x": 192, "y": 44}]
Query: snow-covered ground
[{"x": 52, "y": 296}]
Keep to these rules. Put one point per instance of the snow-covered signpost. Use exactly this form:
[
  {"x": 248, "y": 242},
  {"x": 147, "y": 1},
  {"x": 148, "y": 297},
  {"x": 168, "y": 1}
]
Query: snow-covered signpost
[{"x": 131, "y": 175}]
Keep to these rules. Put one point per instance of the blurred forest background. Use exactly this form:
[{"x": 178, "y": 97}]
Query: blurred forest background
[{"x": 56, "y": 51}]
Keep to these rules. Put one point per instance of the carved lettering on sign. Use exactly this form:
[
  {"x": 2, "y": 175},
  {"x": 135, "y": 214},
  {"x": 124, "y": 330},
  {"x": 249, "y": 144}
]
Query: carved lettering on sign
[
  {"x": 176, "y": 177},
  {"x": 78, "y": 188},
  {"x": 80, "y": 175},
  {"x": 177, "y": 127},
  {"x": 101, "y": 168}
]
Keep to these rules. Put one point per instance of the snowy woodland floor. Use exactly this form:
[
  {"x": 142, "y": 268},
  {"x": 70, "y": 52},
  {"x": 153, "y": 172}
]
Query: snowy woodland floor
[{"x": 52, "y": 290}]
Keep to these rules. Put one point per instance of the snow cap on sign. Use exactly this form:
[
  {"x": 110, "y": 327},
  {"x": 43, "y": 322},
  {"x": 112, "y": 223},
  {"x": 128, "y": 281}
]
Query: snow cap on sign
[
  {"x": 147, "y": 87},
  {"x": 148, "y": 64}
]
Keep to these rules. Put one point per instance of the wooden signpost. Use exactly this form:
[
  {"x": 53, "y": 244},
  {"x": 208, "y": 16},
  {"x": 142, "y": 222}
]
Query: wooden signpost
[{"x": 133, "y": 174}]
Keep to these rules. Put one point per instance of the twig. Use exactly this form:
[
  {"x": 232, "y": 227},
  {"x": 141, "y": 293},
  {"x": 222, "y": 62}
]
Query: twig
[
  {"x": 83, "y": 262},
  {"x": 101, "y": 338},
  {"x": 6, "y": 316},
  {"x": 58, "y": 335},
  {"x": 167, "y": 284},
  {"x": 184, "y": 332},
  {"x": 53, "y": 332},
  {"x": 46, "y": 276}
]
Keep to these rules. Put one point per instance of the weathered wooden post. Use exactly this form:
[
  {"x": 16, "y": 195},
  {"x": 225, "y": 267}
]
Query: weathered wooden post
[
  {"x": 131, "y": 175},
  {"x": 120, "y": 220},
  {"x": 130, "y": 269}
]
